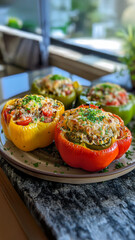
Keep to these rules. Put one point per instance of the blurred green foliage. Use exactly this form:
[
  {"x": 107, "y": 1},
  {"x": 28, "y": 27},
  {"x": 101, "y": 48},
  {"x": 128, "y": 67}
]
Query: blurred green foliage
[
  {"x": 128, "y": 37},
  {"x": 17, "y": 23},
  {"x": 87, "y": 15},
  {"x": 14, "y": 23}
]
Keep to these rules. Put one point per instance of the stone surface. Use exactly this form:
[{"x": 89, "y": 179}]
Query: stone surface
[{"x": 90, "y": 211}]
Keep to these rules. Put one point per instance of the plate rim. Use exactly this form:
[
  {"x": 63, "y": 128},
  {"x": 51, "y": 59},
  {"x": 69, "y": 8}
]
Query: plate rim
[
  {"x": 87, "y": 175},
  {"x": 90, "y": 175},
  {"x": 69, "y": 180}
]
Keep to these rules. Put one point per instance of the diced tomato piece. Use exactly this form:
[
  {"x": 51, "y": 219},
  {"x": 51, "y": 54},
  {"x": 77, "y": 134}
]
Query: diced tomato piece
[
  {"x": 7, "y": 114},
  {"x": 47, "y": 120},
  {"x": 47, "y": 112},
  {"x": 122, "y": 94},
  {"x": 24, "y": 121},
  {"x": 12, "y": 112},
  {"x": 68, "y": 92},
  {"x": 122, "y": 98},
  {"x": 113, "y": 103},
  {"x": 93, "y": 106}
]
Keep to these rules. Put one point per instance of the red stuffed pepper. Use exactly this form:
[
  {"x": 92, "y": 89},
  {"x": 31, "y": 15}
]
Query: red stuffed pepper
[{"x": 90, "y": 138}]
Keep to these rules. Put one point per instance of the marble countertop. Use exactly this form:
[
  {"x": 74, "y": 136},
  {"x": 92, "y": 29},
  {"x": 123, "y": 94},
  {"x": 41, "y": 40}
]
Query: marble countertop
[{"x": 91, "y": 211}]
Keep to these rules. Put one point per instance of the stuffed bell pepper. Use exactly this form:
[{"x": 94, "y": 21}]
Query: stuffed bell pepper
[
  {"x": 29, "y": 122},
  {"x": 90, "y": 138},
  {"x": 58, "y": 87},
  {"x": 111, "y": 97}
]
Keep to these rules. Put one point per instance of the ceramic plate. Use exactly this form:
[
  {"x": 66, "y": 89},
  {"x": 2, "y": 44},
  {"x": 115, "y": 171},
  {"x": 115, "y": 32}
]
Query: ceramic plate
[{"x": 47, "y": 164}]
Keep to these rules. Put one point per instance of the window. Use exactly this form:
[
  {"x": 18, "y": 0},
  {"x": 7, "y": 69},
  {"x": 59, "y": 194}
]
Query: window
[
  {"x": 90, "y": 25},
  {"x": 20, "y": 14}
]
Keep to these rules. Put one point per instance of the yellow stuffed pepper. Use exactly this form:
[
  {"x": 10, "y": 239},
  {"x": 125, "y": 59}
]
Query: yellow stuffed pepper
[{"x": 29, "y": 122}]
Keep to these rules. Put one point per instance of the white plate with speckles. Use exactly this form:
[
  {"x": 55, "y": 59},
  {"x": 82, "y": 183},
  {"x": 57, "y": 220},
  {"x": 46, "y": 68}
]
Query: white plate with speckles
[{"x": 47, "y": 164}]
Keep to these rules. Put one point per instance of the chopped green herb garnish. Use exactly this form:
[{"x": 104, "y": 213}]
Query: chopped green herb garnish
[
  {"x": 57, "y": 165},
  {"x": 36, "y": 164},
  {"x": 91, "y": 115},
  {"x": 57, "y": 77},
  {"x": 40, "y": 104},
  {"x": 27, "y": 109},
  {"x": 1, "y": 130},
  {"x": 119, "y": 165},
  {"x": 106, "y": 131},
  {"x": 27, "y": 99},
  {"x": 106, "y": 85},
  {"x": 10, "y": 111},
  {"x": 42, "y": 118},
  {"x": 104, "y": 170},
  {"x": 129, "y": 154},
  {"x": 65, "y": 164},
  {"x": 25, "y": 161}
]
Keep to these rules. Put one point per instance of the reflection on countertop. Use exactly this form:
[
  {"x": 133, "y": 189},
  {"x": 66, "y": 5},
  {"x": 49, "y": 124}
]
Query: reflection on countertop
[{"x": 19, "y": 83}]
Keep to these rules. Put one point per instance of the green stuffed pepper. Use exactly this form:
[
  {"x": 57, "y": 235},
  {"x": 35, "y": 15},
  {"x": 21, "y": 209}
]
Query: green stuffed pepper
[
  {"x": 58, "y": 87},
  {"x": 112, "y": 98}
]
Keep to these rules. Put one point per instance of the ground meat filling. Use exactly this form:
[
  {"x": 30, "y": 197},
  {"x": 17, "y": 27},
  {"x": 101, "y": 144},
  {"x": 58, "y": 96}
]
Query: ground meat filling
[
  {"x": 32, "y": 109},
  {"x": 91, "y": 126},
  {"x": 56, "y": 85},
  {"x": 108, "y": 94}
]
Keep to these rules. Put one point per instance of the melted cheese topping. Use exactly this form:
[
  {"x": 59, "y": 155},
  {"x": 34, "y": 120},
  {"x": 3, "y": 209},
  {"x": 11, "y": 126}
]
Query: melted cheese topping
[
  {"x": 91, "y": 126},
  {"x": 33, "y": 108},
  {"x": 108, "y": 94},
  {"x": 56, "y": 85}
]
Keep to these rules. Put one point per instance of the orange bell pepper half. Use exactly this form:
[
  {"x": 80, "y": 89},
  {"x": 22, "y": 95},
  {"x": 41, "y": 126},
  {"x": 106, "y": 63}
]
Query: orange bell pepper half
[{"x": 79, "y": 156}]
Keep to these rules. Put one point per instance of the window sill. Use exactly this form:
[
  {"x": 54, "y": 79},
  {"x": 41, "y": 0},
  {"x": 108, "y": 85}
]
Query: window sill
[{"x": 87, "y": 66}]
